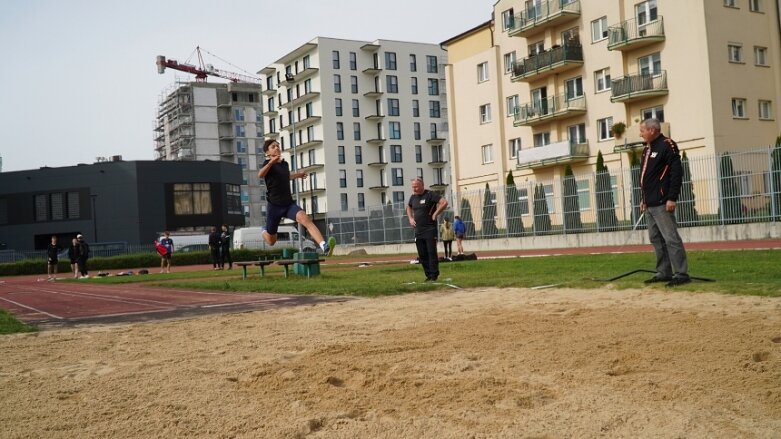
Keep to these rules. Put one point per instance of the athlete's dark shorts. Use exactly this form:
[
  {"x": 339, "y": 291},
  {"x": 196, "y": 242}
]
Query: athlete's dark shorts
[{"x": 274, "y": 215}]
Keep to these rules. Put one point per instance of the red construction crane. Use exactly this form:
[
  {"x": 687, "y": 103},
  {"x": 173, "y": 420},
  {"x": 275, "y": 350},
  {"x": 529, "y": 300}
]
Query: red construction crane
[{"x": 202, "y": 70}]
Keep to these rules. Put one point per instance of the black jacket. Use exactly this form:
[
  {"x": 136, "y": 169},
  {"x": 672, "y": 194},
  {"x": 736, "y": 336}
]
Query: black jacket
[{"x": 661, "y": 174}]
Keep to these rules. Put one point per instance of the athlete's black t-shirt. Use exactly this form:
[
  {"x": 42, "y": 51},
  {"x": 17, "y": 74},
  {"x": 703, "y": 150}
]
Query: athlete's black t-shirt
[{"x": 278, "y": 184}]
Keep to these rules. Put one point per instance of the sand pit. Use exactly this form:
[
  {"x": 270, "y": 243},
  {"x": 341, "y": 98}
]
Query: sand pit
[{"x": 512, "y": 363}]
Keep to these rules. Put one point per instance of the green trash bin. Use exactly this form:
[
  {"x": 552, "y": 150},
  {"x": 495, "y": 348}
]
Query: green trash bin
[{"x": 314, "y": 269}]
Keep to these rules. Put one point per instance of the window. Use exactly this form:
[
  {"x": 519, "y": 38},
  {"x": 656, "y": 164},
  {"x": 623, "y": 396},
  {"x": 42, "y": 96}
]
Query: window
[
  {"x": 433, "y": 87},
  {"x": 238, "y": 114},
  {"x": 361, "y": 202},
  {"x": 413, "y": 63},
  {"x": 482, "y": 72},
  {"x": 41, "y": 207},
  {"x": 353, "y": 61},
  {"x": 523, "y": 199},
  {"x": 358, "y": 155},
  {"x": 431, "y": 64},
  {"x": 335, "y": 56},
  {"x": 337, "y": 84},
  {"x": 739, "y": 108},
  {"x": 395, "y": 130},
  {"x": 308, "y": 86},
  {"x": 603, "y": 128},
  {"x": 437, "y": 153},
  {"x": 396, "y": 153},
  {"x": 233, "y": 199},
  {"x": 432, "y": 130},
  {"x": 340, "y": 154},
  {"x": 241, "y": 146},
  {"x": 645, "y": 12},
  {"x": 577, "y": 133},
  {"x": 599, "y": 29},
  {"x": 338, "y": 105},
  {"x": 548, "y": 189},
  {"x": 487, "y": 153},
  {"x": 342, "y": 178},
  {"x": 415, "y": 108},
  {"x": 192, "y": 199},
  {"x": 398, "y": 176},
  {"x": 584, "y": 197},
  {"x": 513, "y": 102},
  {"x": 573, "y": 88},
  {"x": 571, "y": 36},
  {"x": 359, "y": 178},
  {"x": 655, "y": 113},
  {"x": 356, "y": 131},
  {"x": 602, "y": 80},
  {"x": 392, "y": 83},
  {"x": 730, "y": 3},
  {"x": 755, "y": 5},
  {"x": 508, "y": 19},
  {"x": 760, "y": 56},
  {"x": 390, "y": 60},
  {"x": 356, "y": 108},
  {"x": 536, "y": 48},
  {"x": 419, "y": 172},
  {"x": 485, "y": 113},
  {"x": 416, "y": 130},
  {"x": 393, "y": 107},
  {"x": 509, "y": 61},
  {"x": 735, "y": 53},
  {"x": 414, "y": 85},
  {"x": 433, "y": 109},
  {"x": 353, "y": 84},
  {"x": 398, "y": 198},
  {"x": 418, "y": 154},
  {"x": 514, "y": 147},
  {"x": 339, "y": 131},
  {"x": 765, "y": 112},
  {"x": 651, "y": 64},
  {"x": 343, "y": 199}
]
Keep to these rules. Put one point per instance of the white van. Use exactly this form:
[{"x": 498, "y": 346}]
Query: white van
[{"x": 287, "y": 237}]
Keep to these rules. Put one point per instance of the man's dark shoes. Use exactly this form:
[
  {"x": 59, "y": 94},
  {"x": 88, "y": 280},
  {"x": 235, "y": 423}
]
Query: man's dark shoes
[
  {"x": 656, "y": 279},
  {"x": 679, "y": 281}
]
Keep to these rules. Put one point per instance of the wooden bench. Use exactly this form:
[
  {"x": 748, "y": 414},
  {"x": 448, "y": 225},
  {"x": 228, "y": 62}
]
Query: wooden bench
[
  {"x": 261, "y": 264},
  {"x": 286, "y": 263}
]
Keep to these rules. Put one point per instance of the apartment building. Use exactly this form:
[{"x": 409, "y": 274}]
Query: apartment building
[
  {"x": 218, "y": 122},
  {"x": 361, "y": 118},
  {"x": 543, "y": 83}
]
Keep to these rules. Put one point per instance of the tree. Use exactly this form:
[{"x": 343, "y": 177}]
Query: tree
[
  {"x": 685, "y": 212},
  {"x": 489, "y": 214},
  {"x": 606, "y": 206},
  {"x": 542, "y": 223},
  {"x": 466, "y": 217},
  {"x": 730, "y": 192},
  {"x": 776, "y": 179},
  {"x": 512, "y": 207},
  {"x": 572, "y": 221}
]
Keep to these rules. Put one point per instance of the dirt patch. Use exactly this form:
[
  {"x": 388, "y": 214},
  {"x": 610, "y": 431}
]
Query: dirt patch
[{"x": 471, "y": 363}]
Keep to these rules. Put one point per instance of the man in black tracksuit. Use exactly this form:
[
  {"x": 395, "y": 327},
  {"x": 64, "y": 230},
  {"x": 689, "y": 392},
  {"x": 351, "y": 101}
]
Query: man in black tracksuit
[
  {"x": 661, "y": 176},
  {"x": 214, "y": 247}
]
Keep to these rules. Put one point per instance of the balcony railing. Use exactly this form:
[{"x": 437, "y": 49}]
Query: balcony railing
[
  {"x": 552, "y": 108},
  {"x": 635, "y": 87},
  {"x": 630, "y": 35},
  {"x": 555, "y": 60},
  {"x": 546, "y": 14},
  {"x": 553, "y": 154}
]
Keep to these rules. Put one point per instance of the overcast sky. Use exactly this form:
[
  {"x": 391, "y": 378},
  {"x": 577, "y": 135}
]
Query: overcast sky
[{"x": 79, "y": 79}]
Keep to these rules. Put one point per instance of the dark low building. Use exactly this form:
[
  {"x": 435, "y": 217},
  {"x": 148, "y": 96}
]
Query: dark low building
[{"x": 116, "y": 201}]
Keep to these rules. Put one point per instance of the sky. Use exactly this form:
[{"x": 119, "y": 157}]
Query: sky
[{"x": 79, "y": 79}]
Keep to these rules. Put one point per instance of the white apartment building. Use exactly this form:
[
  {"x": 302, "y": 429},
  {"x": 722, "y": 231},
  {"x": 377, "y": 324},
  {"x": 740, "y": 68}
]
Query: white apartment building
[
  {"x": 364, "y": 119},
  {"x": 542, "y": 83},
  {"x": 205, "y": 121}
]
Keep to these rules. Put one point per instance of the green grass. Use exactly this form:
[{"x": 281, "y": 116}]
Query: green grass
[
  {"x": 745, "y": 272},
  {"x": 9, "y": 325}
]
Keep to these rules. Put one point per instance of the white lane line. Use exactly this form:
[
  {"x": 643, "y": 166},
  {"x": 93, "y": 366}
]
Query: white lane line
[
  {"x": 31, "y": 308},
  {"x": 144, "y": 302},
  {"x": 253, "y": 302}
]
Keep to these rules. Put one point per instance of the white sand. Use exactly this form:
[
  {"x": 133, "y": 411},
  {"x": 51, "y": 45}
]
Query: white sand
[{"x": 513, "y": 363}]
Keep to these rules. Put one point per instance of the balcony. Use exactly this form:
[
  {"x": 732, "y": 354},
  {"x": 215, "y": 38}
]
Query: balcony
[
  {"x": 311, "y": 167},
  {"x": 227, "y": 150},
  {"x": 554, "y": 154},
  {"x": 641, "y": 86},
  {"x": 309, "y": 120},
  {"x": 309, "y": 144},
  {"x": 629, "y": 36},
  {"x": 378, "y": 164},
  {"x": 375, "y": 117},
  {"x": 380, "y": 187},
  {"x": 438, "y": 185},
  {"x": 269, "y": 92},
  {"x": 271, "y": 113},
  {"x": 556, "y": 60},
  {"x": 438, "y": 162},
  {"x": 553, "y": 108},
  {"x": 544, "y": 15},
  {"x": 376, "y": 141},
  {"x": 434, "y": 138},
  {"x": 373, "y": 94},
  {"x": 306, "y": 73},
  {"x": 306, "y": 97}
]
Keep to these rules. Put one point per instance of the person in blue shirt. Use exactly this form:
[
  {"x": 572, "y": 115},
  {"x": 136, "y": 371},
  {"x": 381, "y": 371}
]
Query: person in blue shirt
[
  {"x": 460, "y": 228},
  {"x": 165, "y": 260}
]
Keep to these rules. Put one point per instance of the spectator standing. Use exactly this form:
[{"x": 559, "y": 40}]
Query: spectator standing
[
  {"x": 225, "y": 248},
  {"x": 83, "y": 256},
  {"x": 447, "y": 234},
  {"x": 52, "y": 254},
  {"x": 73, "y": 255},
  {"x": 214, "y": 247},
  {"x": 460, "y": 228},
  {"x": 165, "y": 260},
  {"x": 422, "y": 211}
]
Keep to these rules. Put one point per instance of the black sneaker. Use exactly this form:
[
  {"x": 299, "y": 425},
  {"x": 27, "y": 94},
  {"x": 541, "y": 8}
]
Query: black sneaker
[
  {"x": 656, "y": 279},
  {"x": 678, "y": 281}
]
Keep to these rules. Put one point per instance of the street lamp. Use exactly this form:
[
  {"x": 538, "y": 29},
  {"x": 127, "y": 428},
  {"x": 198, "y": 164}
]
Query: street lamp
[{"x": 289, "y": 82}]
